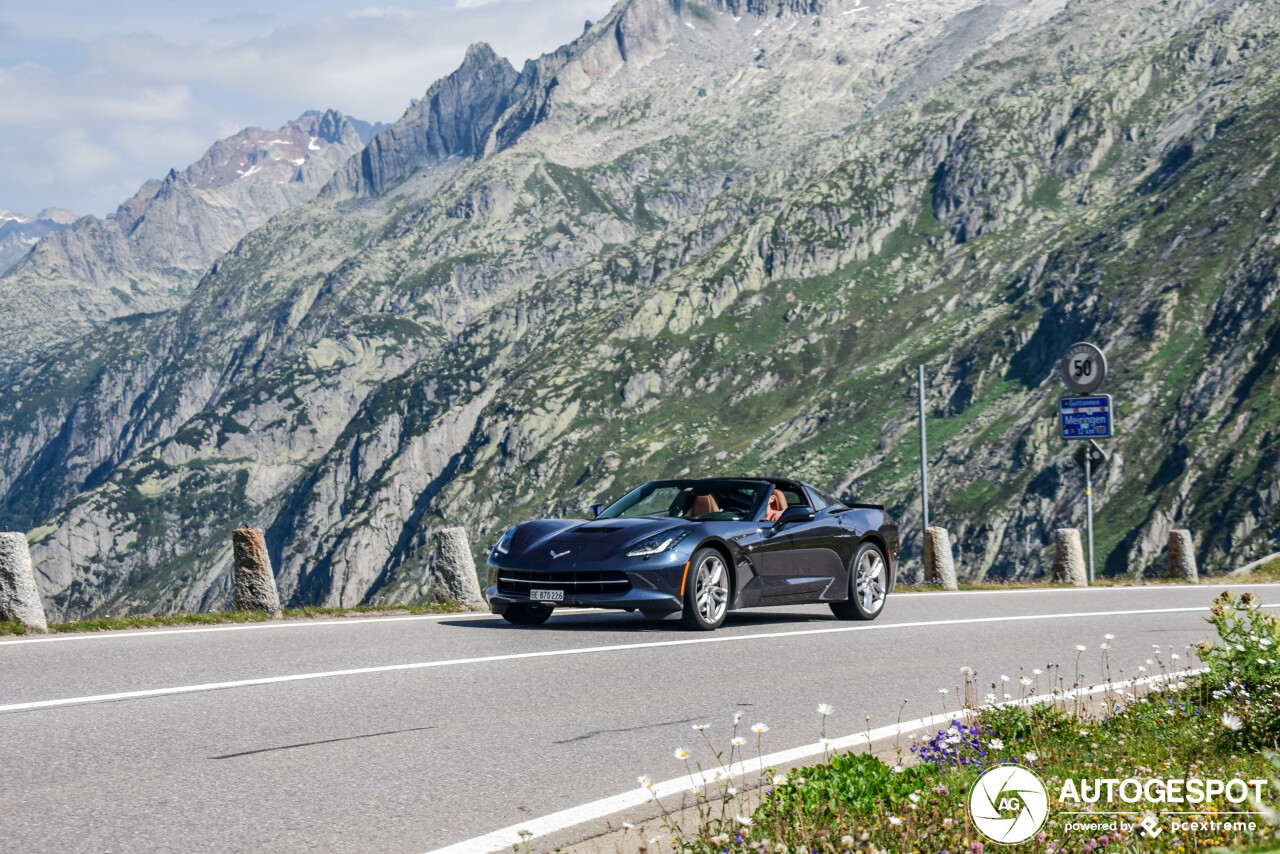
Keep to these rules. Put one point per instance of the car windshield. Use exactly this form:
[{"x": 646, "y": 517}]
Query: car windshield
[{"x": 695, "y": 500}]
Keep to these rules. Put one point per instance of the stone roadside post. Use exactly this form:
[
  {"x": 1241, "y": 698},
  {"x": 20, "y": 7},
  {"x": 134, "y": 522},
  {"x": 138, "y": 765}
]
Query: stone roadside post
[
  {"x": 938, "y": 563},
  {"x": 455, "y": 568},
  {"x": 1182, "y": 556},
  {"x": 1068, "y": 559},
  {"x": 255, "y": 582},
  {"x": 19, "y": 597}
]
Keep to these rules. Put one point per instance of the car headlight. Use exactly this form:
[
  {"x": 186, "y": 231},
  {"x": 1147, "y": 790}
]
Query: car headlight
[
  {"x": 658, "y": 543},
  {"x": 504, "y": 544}
]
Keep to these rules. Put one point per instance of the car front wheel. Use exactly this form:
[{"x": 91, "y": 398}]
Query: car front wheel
[
  {"x": 706, "y": 591},
  {"x": 527, "y": 615},
  {"x": 868, "y": 585}
]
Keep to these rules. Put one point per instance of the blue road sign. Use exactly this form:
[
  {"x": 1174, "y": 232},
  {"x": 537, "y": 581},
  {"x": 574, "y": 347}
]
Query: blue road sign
[{"x": 1086, "y": 417}]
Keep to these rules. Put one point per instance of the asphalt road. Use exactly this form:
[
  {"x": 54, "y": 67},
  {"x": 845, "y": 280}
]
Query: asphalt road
[{"x": 454, "y": 727}]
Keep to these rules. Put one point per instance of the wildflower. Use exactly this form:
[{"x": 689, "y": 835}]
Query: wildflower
[
  {"x": 826, "y": 743},
  {"x": 779, "y": 780},
  {"x": 700, "y": 727},
  {"x": 681, "y": 753},
  {"x": 944, "y": 690},
  {"x": 1141, "y": 669},
  {"x": 846, "y": 841},
  {"x": 1030, "y": 757},
  {"x": 745, "y": 821},
  {"x": 731, "y": 791},
  {"x": 1025, "y": 681},
  {"x": 1232, "y": 722},
  {"x": 894, "y": 820},
  {"x": 1004, "y": 678},
  {"x": 898, "y": 769},
  {"x": 1008, "y": 696},
  {"x": 737, "y": 716},
  {"x": 1081, "y": 647},
  {"x": 996, "y": 744},
  {"x": 1109, "y": 637},
  {"x": 644, "y": 781},
  {"x": 799, "y": 781},
  {"x": 760, "y": 728},
  {"x": 824, "y": 709},
  {"x": 1175, "y": 656},
  {"x": 966, "y": 672},
  {"x": 1104, "y": 646},
  {"x": 654, "y": 840},
  {"x": 739, "y": 741},
  {"x": 1037, "y": 671},
  {"x": 720, "y": 839},
  {"x": 991, "y": 698},
  {"x": 627, "y": 825},
  {"x": 915, "y": 797}
]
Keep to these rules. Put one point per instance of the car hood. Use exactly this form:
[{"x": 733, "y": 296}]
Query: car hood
[{"x": 598, "y": 539}]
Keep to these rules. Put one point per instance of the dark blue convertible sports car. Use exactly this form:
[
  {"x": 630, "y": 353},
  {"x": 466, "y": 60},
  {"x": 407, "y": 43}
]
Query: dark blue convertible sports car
[{"x": 700, "y": 548}]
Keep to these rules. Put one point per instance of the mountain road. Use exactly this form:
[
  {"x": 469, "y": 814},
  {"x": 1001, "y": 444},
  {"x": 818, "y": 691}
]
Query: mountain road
[{"x": 410, "y": 734}]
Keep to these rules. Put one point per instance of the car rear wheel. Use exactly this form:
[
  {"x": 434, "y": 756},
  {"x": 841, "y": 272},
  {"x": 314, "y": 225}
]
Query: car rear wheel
[
  {"x": 868, "y": 585},
  {"x": 706, "y": 591},
  {"x": 527, "y": 615}
]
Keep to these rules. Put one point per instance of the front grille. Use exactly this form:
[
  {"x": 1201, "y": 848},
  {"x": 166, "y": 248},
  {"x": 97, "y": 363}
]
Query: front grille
[{"x": 520, "y": 581}]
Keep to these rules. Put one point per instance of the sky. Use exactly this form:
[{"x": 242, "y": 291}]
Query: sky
[{"x": 96, "y": 97}]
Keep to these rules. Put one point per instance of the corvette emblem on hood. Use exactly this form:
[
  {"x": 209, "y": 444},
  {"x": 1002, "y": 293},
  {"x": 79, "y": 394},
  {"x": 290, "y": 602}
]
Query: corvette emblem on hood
[{"x": 556, "y": 554}]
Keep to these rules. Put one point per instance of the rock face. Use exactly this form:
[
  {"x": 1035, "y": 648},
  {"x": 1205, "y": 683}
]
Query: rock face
[
  {"x": 1068, "y": 558},
  {"x": 255, "y": 583},
  {"x": 1182, "y": 556},
  {"x": 710, "y": 239},
  {"x": 19, "y": 233},
  {"x": 454, "y": 574},
  {"x": 19, "y": 598},
  {"x": 150, "y": 254},
  {"x": 939, "y": 566}
]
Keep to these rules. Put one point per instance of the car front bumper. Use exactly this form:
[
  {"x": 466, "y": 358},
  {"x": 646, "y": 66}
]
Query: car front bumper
[{"x": 652, "y": 586}]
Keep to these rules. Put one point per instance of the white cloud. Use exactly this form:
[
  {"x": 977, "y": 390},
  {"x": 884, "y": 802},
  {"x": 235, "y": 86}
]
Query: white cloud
[{"x": 147, "y": 94}]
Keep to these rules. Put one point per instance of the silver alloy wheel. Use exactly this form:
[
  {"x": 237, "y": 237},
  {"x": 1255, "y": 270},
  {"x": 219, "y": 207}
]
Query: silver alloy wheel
[
  {"x": 870, "y": 581},
  {"x": 711, "y": 589}
]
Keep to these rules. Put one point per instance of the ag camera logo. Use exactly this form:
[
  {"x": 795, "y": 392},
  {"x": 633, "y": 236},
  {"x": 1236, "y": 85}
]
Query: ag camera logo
[{"x": 1008, "y": 804}]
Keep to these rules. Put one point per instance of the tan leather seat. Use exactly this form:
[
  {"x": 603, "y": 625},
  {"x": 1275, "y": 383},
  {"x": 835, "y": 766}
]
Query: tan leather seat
[
  {"x": 777, "y": 504},
  {"x": 703, "y": 504}
]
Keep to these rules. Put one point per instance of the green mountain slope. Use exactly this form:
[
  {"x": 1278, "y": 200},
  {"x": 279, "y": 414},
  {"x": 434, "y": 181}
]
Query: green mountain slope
[{"x": 705, "y": 238}]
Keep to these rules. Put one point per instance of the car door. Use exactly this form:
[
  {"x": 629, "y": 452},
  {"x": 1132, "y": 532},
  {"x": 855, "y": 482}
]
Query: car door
[{"x": 800, "y": 561}]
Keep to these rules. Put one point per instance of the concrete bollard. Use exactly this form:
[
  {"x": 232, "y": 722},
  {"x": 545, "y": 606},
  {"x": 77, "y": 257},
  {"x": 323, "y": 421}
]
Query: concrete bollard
[
  {"x": 455, "y": 568},
  {"x": 19, "y": 597},
  {"x": 1068, "y": 560},
  {"x": 938, "y": 563},
  {"x": 1182, "y": 556},
  {"x": 255, "y": 582}
]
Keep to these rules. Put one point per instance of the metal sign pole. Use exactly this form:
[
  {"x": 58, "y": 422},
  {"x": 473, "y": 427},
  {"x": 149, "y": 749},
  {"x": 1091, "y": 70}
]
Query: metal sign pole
[
  {"x": 1088, "y": 503},
  {"x": 924, "y": 458}
]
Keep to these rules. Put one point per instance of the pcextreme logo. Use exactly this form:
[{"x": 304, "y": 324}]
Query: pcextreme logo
[{"x": 1008, "y": 804}]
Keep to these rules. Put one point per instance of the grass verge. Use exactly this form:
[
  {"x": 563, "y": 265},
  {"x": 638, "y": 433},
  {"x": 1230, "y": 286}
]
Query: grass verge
[
  {"x": 1183, "y": 731},
  {"x": 103, "y": 624}
]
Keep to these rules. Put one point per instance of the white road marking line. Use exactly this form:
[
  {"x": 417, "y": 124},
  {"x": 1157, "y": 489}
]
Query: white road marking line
[
  {"x": 353, "y": 621},
  {"x": 284, "y": 624},
  {"x": 508, "y": 837},
  {"x": 515, "y": 656}
]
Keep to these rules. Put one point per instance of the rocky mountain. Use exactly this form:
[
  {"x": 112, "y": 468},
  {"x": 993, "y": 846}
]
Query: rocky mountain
[
  {"x": 152, "y": 251},
  {"x": 19, "y": 233},
  {"x": 710, "y": 237}
]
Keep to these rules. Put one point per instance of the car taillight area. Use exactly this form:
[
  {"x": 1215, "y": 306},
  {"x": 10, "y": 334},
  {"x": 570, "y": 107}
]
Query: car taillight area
[{"x": 519, "y": 582}]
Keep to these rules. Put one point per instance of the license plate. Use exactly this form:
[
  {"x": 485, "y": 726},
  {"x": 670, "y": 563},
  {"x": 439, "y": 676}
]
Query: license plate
[{"x": 546, "y": 595}]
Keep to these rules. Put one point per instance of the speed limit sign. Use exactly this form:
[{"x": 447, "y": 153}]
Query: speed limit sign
[{"x": 1084, "y": 368}]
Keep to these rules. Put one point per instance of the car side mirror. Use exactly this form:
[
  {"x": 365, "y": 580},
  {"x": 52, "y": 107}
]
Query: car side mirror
[
  {"x": 595, "y": 510},
  {"x": 795, "y": 513}
]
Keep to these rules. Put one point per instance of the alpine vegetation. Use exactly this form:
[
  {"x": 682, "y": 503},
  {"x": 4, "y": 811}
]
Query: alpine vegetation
[{"x": 703, "y": 236}]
